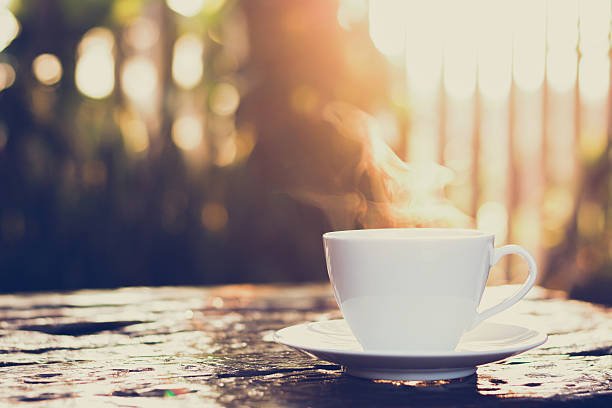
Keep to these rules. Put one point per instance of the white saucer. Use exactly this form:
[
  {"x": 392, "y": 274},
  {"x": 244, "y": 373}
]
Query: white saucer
[{"x": 333, "y": 341}]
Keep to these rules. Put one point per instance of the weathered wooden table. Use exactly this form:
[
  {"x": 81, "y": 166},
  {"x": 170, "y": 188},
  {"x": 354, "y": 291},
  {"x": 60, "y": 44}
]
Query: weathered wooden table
[{"x": 212, "y": 346}]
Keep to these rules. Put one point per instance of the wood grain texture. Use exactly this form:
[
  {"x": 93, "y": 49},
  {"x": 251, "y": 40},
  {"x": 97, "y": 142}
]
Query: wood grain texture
[{"x": 212, "y": 347}]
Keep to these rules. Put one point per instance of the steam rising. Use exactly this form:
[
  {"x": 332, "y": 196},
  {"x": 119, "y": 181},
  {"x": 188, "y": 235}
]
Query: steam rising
[{"x": 385, "y": 191}]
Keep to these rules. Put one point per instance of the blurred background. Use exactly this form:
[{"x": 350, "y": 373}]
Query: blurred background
[{"x": 151, "y": 142}]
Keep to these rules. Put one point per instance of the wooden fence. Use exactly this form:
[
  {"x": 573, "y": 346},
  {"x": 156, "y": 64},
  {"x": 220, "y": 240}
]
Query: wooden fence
[{"x": 514, "y": 97}]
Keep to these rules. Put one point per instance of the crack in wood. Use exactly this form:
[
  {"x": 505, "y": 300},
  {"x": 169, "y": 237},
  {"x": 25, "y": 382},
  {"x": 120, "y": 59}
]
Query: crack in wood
[
  {"x": 259, "y": 373},
  {"x": 81, "y": 328},
  {"x": 598, "y": 352},
  {"x": 41, "y": 350},
  {"x": 45, "y": 397},
  {"x": 16, "y": 364}
]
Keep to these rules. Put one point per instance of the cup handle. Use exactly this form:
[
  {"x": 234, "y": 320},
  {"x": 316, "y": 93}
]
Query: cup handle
[{"x": 496, "y": 255}]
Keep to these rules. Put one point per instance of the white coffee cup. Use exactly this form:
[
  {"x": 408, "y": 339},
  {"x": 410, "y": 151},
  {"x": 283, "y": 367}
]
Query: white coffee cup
[{"x": 415, "y": 289}]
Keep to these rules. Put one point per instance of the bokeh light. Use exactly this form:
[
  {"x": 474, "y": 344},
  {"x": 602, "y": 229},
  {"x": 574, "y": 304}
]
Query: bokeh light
[
  {"x": 214, "y": 216},
  {"x": 139, "y": 80},
  {"x": 187, "y": 62},
  {"x": 187, "y": 8},
  {"x": 97, "y": 38},
  {"x": 227, "y": 150},
  {"x": 592, "y": 144},
  {"x": 526, "y": 225},
  {"x": 245, "y": 141},
  {"x": 351, "y": 12},
  {"x": 142, "y": 34},
  {"x": 557, "y": 207},
  {"x": 304, "y": 99},
  {"x": 95, "y": 67},
  {"x": 94, "y": 173},
  {"x": 134, "y": 131},
  {"x": 9, "y": 28},
  {"x": 212, "y": 6},
  {"x": 224, "y": 99},
  {"x": 188, "y": 131},
  {"x": 7, "y": 75},
  {"x": 125, "y": 11},
  {"x": 591, "y": 219},
  {"x": 47, "y": 69},
  {"x": 493, "y": 217}
]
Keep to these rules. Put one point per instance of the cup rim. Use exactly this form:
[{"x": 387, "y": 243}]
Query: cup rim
[{"x": 383, "y": 234}]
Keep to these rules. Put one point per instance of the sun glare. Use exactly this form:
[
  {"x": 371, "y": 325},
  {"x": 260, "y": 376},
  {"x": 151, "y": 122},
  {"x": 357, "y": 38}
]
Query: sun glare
[
  {"x": 460, "y": 49},
  {"x": 529, "y": 44},
  {"x": 495, "y": 42},
  {"x": 495, "y": 50},
  {"x": 424, "y": 47},
  {"x": 388, "y": 26}
]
